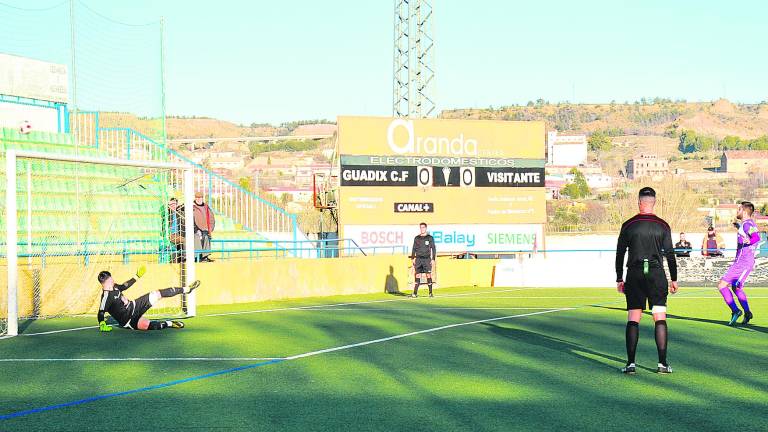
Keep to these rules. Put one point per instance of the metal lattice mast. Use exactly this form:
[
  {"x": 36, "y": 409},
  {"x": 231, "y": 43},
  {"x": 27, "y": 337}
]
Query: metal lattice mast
[
  {"x": 402, "y": 51},
  {"x": 424, "y": 57},
  {"x": 414, "y": 62}
]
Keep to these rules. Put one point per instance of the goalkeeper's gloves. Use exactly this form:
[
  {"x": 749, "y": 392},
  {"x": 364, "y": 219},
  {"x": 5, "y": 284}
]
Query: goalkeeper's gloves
[
  {"x": 141, "y": 271},
  {"x": 103, "y": 327}
]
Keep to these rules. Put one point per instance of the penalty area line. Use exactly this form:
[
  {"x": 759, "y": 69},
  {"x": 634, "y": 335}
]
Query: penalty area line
[{"x": 265, "y": 363}]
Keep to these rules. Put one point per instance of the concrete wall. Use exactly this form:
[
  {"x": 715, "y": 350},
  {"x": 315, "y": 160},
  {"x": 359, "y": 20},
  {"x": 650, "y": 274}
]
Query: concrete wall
[{"x": 71, "y": 288}]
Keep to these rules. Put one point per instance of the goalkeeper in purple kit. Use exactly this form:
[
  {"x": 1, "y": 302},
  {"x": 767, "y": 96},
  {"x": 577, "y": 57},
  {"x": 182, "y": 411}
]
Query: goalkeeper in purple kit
[{"x": 747, "y": 243}]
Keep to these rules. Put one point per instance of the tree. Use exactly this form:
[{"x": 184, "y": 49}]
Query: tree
[
  {"x": 732, "y": 143},
  {"x": 245, "y": 183},
  {"x": 599, "y": 141},
  {"x": 579, "y": 188},
  {"x": 759, "y": 143},
  {"x": 692, "y": 142}
]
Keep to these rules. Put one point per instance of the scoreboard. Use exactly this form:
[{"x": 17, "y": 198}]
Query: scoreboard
[{"x": 479, "y": 185}]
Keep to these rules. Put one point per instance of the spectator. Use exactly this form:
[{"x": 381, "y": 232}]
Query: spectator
[
  {"x": 175, "y": 224},
  {"x": 683, "y": 247},
  {"x": 711, "y": 245},
  {"x": 205, "y": 222}
]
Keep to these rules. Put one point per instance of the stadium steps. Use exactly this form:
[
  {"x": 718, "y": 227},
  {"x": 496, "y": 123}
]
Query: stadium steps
[{"x": 55, "y": 187}]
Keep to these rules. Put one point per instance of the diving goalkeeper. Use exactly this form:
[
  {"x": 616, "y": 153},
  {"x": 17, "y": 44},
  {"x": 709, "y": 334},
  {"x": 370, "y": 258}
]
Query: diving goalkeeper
[{"x": 129, "y": 313}]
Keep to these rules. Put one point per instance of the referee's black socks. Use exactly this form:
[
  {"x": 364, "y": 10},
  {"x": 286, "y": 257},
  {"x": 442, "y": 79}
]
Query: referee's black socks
[
  {"x": 661, "y": 340},
  {"x": 633, "y": 334},
  {"x": 429, "y": 284},
  {"x": 416, "y": 287}
]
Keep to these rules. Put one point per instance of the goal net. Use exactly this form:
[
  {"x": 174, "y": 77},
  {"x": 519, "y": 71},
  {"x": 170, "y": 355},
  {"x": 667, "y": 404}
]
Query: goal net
[{"x": 76, "y": 216}]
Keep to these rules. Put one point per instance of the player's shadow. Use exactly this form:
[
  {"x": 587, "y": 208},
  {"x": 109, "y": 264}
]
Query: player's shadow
[
  {"x": 552, "y": 343},
  {"x": 748, "y": 327},
  {"x": 391, "y": 285}
]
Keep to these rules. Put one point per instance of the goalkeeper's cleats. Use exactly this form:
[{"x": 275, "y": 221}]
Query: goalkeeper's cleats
[
  {"x": 747, "y": 317},
  {"x": 663, "y": 369},
  {"x": 629, "y": 369},
  {"x": 177, "y": 324},
  {"x": 193, "y": 286},
  {"x": 104, "y": 328},
  {"x": 735, "y": 317},
  {"x": 431, "y": 295},
  {"x": 414, "y": 295},
  {"x": 141, "y": 271}
]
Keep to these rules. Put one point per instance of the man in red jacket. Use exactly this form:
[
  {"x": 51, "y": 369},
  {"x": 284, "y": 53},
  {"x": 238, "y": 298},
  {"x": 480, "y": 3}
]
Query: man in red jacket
[{"x": 205, "y": 222}]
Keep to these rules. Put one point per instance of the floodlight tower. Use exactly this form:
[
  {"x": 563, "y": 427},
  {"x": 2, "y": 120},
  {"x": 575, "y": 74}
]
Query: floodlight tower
[{"x": 414, "y": 59}]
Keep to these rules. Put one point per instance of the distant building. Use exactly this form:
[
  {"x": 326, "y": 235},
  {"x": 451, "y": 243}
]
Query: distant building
[
  {"x": 566, "y": 150},
  {"x": 599, "y": 181},
  {"x": 726, "y": 212},
  {"x": 647, "y": 166},
  {"x": 230, "y": 163},
  {"x": 743, "y": 161},
  {"x": 222, "y": 155},
  {"x": 553, "y": 185},
  {"x": 295, "y": 194}
]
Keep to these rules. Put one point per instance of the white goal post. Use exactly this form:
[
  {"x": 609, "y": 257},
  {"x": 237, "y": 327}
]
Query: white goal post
[{"x": 13, "y": 157}]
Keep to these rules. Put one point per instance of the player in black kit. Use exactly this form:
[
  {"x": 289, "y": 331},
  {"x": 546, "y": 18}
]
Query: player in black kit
[
  {"x": 129, "y": 313},
  {"x": 649, "y": 240},
  {"x": 423, "y": 253}
]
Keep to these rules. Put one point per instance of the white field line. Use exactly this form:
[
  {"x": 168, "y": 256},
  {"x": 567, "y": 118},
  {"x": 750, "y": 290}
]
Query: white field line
[
  {"x": 405, "y": 335},
  {"x": 289, "y": 309},
  {"x": 296, "y": 356}
]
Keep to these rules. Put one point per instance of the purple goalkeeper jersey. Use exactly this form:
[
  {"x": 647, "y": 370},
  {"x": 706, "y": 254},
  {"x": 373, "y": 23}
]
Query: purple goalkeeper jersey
[{"x": 747, "y": 240}]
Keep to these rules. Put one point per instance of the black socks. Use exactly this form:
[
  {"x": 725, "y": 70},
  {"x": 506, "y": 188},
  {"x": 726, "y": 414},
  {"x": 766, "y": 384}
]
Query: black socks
[
  {"x": 158, "y": 325},
  {"x": 633, "y": 334},
  {"x": 661, "y": 340},
  {"x": 170, "y": 292}
]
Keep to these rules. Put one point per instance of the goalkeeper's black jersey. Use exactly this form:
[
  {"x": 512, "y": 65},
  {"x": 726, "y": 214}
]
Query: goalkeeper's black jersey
[{"x": 118, "y": 306}]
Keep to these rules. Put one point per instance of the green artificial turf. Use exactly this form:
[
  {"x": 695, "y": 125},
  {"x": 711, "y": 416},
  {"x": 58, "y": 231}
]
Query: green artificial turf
[{"x": 551, "y": 371}]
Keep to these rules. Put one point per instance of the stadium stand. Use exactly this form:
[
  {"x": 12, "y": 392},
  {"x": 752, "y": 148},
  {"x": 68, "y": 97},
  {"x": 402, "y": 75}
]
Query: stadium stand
[{"x": 52, "y": 198}]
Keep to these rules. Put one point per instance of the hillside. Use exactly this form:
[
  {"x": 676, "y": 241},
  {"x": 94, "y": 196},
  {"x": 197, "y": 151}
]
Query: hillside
[
  {"x": 207, "y": 127},
  {"x": 658, "y": 117}
]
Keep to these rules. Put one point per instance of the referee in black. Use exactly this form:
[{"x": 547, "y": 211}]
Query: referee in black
[
  {"x": 424, "y": 254},
  {"x": 648, "y": 239}
]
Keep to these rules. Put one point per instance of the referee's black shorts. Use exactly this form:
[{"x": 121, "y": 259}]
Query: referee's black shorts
[
  {"x": 423, "y": 265},
  {"x": 646, "y": 289}
]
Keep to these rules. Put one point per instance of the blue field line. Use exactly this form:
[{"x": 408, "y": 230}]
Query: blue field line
[
  {"x": 221, "y": 372},
  {"x": 138, "y": 390}
]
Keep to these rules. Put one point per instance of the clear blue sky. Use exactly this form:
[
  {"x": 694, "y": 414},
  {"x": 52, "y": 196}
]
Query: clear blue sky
[{"x": 272, "y": 61}]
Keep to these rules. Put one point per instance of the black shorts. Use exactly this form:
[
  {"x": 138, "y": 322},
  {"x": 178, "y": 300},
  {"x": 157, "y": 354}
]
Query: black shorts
[
  {"x": 646, "y": 289},
  {"x": 140, "y": 306},
  {"x": 423, "y": 265}
]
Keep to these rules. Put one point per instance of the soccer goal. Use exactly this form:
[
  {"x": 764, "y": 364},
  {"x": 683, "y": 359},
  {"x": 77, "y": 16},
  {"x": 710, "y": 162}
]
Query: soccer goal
[{"x": 68, "y": 217}]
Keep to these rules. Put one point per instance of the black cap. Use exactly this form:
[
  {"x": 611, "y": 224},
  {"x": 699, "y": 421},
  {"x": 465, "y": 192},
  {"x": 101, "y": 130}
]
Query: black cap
[
  {"x": 104, "y": 276},
  {"x": 647, "y": 192}
]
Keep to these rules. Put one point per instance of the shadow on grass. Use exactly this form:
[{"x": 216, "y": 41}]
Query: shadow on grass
[
  {"x": 553, "y": 343},
  {"x": 747, "y": 328}
]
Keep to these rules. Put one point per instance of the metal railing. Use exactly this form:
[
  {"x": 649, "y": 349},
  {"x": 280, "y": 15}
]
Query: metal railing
[
  {"x": 221, "y": 249},
  {"x": 226, "y": 198}
]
